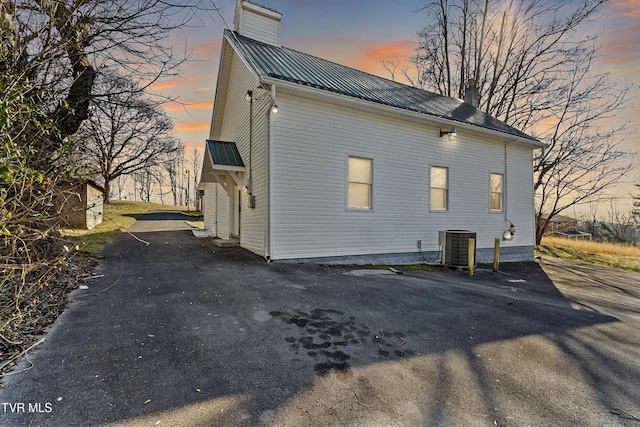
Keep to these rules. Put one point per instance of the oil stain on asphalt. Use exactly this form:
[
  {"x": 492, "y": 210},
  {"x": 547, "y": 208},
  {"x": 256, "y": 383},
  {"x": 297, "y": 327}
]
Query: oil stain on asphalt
[{"x": 329, "y": 336}]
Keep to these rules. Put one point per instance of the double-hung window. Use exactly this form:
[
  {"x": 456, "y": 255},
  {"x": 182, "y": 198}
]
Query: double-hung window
[
  {"x": 360, "y": 183},
  {"x": 496, "y": 202},
  {"x": 439, "y": 188}
]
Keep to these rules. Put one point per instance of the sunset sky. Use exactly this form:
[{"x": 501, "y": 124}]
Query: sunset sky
[{"x": 359, "y": 34}]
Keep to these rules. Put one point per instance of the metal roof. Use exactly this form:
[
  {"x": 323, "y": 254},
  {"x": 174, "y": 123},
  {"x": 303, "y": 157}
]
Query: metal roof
[
  {"x": 289, "y": 65},
  {"x": 224, "y": 153}
]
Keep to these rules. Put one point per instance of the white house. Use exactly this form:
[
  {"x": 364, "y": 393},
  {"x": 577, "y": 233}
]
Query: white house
[{"x": 311, "y": 160}]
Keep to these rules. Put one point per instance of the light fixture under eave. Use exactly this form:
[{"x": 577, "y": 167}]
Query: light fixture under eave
[
  {"x": 249, "y": 96},
  {"x": 452, "y": 133},
  {"x": 275, "y": 110}
]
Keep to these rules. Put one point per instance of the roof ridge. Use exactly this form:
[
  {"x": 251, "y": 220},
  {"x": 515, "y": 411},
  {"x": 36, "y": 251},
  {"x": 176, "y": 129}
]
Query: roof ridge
[
  {"x": 346, "y": 66},
  {"x": 280, "y": 62}
]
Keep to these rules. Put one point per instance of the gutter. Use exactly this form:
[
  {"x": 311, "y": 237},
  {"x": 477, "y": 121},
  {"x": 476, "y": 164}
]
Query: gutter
[{"x": 362, "y": 104}]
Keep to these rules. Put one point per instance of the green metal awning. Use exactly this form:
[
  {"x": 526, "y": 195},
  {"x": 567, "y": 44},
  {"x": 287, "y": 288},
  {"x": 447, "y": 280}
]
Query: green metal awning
[
  {"x": 221, "y": 159},
  {"x": 225, "y": 155}
]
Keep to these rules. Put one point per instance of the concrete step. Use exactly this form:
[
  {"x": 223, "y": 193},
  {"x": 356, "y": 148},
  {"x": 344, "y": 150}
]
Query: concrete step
[{"x": 231, "y": 243}]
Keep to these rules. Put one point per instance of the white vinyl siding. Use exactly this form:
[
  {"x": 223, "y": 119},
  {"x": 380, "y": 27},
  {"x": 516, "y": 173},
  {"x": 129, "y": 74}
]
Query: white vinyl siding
[
  {"x": 360, "y": 184},
  {"x": 235, "y": 128},
  {"x": 210, "y": 207},
  {"x": 496, "y": 191},
  {"x": 519, "y": 193},
  {"x": 222, "y": 213},
  {"x": 259, "y": 27},
  {"x": 311, "y": 141},
  {"x": 439, "y": 188}
]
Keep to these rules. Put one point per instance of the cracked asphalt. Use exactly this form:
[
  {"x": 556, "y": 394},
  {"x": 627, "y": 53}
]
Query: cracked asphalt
[{"x": 181, "y": 333}]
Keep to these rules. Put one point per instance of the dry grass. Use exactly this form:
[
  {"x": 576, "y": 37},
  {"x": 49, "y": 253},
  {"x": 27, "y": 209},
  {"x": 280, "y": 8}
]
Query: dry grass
[
  {"x": 609, "y": 254},
  {"x": 593, "y": 247},
  {"x": 196, "y": 224}
]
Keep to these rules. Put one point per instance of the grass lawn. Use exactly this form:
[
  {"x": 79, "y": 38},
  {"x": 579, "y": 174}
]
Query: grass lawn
[
  {"x": 608, "y": 254},
  {"x": 117, "y": 216}
]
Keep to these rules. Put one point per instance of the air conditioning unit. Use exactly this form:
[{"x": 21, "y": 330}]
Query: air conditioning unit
[{"x": 455, "y": 247}]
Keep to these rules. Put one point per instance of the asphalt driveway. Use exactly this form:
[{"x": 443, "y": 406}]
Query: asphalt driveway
[{"x": 181, "y": 333}]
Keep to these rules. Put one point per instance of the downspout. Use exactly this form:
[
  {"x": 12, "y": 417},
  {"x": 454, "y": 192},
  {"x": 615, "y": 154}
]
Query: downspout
[
  {"x": 267, "y": 187},
  {"x": 250, "y": 183},
  {"x": 511, "y": 230},
  {"x": 215, "y": 202},
  {"x": 505, "y": 183}
]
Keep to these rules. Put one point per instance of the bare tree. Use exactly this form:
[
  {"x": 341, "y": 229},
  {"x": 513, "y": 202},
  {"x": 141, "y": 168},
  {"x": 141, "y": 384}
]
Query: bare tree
[
  {"x": 172, "y": 167},
  {"x": 121, "y": 183},
  {"x": 196, "y": 164},
  {"x": 126, "y": 133},
  {"x": 635, "y": 212},
  {"x": 61, "y": 44},
  {"x": 612, "y": 226},
  {"x": 187, "y": 190},
  {"x": 618, "y": 227},
  {"x": 391, "y": 66},
  {"x": 533, "y": 73},
  {"x": 150, "y": 184},
  {"x": 144, "y": 181}
]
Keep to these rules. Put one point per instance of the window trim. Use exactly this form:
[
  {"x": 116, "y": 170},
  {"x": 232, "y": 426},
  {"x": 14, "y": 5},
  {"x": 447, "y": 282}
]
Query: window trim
[
  {"x": 446, "y": 189},
  {"x": 370, "y": 184},
  {"x": 491, "y": 193}
]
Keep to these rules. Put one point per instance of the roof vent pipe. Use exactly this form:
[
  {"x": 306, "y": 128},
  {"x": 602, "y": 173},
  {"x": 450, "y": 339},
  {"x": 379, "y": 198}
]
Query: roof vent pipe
[{"x": 471, "y": 94}]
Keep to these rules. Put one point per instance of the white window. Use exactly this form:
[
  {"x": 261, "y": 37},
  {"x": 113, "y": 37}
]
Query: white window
[
  {"x": 360, "y": 183},
  {"x": 439, "y": 188},
  {"x": 496, "y": 202}
]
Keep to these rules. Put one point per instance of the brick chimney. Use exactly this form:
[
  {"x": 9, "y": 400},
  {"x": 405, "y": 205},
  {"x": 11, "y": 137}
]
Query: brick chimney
[{"x": 471, "y": 93}]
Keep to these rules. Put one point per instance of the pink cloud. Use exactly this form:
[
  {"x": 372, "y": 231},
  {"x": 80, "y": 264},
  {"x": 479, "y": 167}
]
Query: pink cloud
[
  {"x": 399, "y": 49},
  {"x": 190, "y": 127},
  {"x": 620, "y": 41},
  {"x": 211, "y": 48},
  {"x": 626, "y": 7},
  {"x": 174, "y": 106},
  {"x": 397, "y": 52},
  {"x": 359, "y": 53},
  {"x": 166, "y": 84}
]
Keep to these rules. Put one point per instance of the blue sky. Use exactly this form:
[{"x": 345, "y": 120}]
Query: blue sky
[{"x": 360, "y": 33}]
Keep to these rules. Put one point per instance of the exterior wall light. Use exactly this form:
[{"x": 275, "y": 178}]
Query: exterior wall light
[
  {"x": 452, "y": 133},
  {"x": 249, "y": 96},
  {"x": 275, "y": 109},
  {"x": 508, "y": 234}
]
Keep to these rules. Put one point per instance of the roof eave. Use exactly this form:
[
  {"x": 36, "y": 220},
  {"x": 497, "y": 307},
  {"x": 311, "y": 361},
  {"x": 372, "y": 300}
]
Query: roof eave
[
  {"x": 224, "y": 74},
  {"x": 388, "y": 109},
  {"x": 230, "y": 37},
  {"x": 220, "y": 95}
]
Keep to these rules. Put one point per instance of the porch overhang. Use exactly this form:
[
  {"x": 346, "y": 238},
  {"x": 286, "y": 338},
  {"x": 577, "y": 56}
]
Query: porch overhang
[{"x": 222, "y": 161}]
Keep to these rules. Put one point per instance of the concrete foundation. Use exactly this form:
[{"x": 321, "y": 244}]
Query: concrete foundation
[{"x": 483, "y": 255}]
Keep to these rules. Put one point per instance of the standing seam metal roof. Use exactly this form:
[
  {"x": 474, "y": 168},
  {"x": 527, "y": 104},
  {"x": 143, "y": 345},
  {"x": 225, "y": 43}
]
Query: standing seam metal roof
[
  {"x": 296, "y": 67},
  {"x": 224, "y": 153}
]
